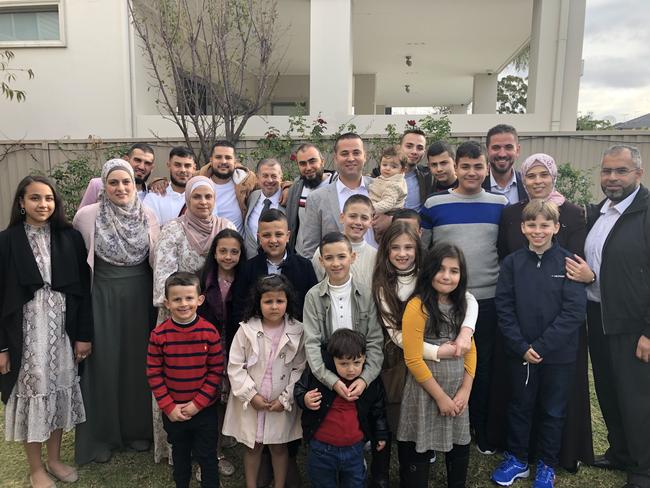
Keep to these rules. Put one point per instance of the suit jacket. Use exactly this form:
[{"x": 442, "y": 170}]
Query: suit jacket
[
  {"x": 20, "y": 278},
  {"x": 293, "y": 207},
  {"x": 251, "y": 240},
  {"x": 521, "y": 189},
  {"x": 322, "y": 214}
]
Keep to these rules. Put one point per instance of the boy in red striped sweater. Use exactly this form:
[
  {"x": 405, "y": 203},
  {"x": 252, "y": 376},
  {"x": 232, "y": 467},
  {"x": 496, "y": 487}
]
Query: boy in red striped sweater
[{"x": 184, "y": 368}]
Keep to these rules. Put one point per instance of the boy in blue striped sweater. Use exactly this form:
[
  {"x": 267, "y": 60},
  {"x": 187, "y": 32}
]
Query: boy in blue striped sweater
[{"x": 468, "y": 217}]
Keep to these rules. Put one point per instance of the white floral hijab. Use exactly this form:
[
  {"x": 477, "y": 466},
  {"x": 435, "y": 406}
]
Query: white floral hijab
[{"x": 121, "y": 232}]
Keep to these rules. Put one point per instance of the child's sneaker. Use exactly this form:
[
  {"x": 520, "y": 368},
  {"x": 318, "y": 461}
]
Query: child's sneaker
[
  {"x": 509, "y": 470},
  {"x": 544, "y": 477}
]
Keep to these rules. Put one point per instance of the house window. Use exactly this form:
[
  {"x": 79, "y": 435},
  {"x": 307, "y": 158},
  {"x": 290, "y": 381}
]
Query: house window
[{"x": 31, "y": 23}]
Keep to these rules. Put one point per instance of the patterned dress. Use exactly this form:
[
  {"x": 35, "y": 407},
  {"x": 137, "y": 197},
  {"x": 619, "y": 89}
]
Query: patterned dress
[
  {"x": 47, "y": 396},
  {"x": 420, "y": 420}
]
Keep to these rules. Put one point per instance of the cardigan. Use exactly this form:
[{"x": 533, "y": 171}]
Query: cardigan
[{"x": 20, "y": 279}]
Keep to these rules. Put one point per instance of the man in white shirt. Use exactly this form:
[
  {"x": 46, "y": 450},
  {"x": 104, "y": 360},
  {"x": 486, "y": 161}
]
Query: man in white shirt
[
  {"x": 234, "y": 183},
  {"x": 324, "y": 206},
  {"x": 167, "y": 206},
  {"x": 141, "y": 158},
  {"x": 269, "y": 178},
  {"x": 618, "y": 314},
  {"x": 312, "y": 177}
]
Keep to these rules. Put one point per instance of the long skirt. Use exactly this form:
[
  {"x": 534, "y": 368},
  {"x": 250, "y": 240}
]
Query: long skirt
[
  {"x": 577, "y": 444},
  {"x": 114, "y": 385}
]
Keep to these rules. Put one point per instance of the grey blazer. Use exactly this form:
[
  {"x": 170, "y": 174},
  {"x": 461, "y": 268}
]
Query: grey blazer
[
  {"x": 293, "y": 200},
  {"x": 250, "y": 241},
  {"x": 322, "y": 214}
]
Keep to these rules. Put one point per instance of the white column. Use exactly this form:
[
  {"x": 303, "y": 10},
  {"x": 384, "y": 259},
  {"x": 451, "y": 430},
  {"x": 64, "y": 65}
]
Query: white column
[
  {"x": 364, "y": 94},
  {"x": 485, "y": 94},
  {"x": 556, "y": 61},
  {"x": 330, "y": 58}
]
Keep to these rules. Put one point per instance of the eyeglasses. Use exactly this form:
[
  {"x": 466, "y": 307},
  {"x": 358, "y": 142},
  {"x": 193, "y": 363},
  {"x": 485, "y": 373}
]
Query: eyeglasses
[{"x": 617, "y": 171}]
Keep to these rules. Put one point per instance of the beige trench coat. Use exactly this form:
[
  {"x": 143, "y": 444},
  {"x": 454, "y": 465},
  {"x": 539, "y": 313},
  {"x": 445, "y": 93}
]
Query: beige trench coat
[{"x": 247, "y": 362}]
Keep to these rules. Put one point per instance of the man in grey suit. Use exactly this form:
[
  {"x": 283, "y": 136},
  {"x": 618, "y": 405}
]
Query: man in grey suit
[
  {"x": 269, "y": 178},
  {"x": 324, "y": 206},
  {"x": 312, "y": 177}
]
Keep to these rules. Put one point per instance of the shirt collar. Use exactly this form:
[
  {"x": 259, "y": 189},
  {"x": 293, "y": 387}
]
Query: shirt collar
[
  {"x": 275, "y": 198},
  {"x": 621, "y": 206},
  {"x": 284, "y": 258},
  {"x": 513, "y": 181},
  {"x": 340, "y": 186}
]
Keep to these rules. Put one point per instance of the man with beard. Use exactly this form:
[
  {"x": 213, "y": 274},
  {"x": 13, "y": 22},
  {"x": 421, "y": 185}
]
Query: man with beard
[
  {"x": 503, "y": 150},
  {"x": 234, "y": 183},
  {"x": 168, "y": 206},
  {"x": 617, "y": 269},
  {"x": 141, "y": 158},
  {"x": 312, "y": 177},
  {"x": 413, "y": 144}
]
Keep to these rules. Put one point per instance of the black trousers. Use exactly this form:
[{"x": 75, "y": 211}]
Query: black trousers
[
  {"x": 543, "y": 388},
  {"x": 623, "y": 388},
  {"x": 414, "y": 466},
  {"x": 484, "y": 338},
  {"x": 195, "y": 438}
]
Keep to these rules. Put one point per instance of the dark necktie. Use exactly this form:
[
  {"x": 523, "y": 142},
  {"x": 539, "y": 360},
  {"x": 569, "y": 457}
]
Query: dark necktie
[{"x": 267, "y": 205}]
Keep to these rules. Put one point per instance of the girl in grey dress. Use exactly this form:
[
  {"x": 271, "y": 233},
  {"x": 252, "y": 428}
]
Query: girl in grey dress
[
  {"x": 434, "y": 415},
  {"x": 46, "y": 327}
]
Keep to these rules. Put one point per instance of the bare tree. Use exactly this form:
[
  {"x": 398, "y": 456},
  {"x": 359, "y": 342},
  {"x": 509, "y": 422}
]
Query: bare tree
[
  {"x": 8, "y": 75},
  {"x": 214, "y": 63}
]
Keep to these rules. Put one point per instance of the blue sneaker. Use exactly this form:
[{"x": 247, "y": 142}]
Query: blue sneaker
[
  {"x": 509, "y": 470},
  {"x": 544, "y": 477}
]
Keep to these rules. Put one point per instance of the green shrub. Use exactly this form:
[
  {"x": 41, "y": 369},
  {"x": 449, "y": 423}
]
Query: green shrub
[{"x": 575, "y": 184}]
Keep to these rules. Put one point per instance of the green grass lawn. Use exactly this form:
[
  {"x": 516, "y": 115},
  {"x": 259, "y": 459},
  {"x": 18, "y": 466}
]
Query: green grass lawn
[{"x": 130, "y": 469}]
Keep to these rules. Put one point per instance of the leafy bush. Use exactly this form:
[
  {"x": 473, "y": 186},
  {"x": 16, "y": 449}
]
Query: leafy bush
[
  {"x": 71, "y": 179},
  {"x": 575, "y": 184}
]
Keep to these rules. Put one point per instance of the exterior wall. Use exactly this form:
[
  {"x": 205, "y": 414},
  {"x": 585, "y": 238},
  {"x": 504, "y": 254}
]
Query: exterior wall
[
  {"x": 98, "y": 84},
  {"x": 79, "y": 89},
  {"x": 582, "y": 149}
]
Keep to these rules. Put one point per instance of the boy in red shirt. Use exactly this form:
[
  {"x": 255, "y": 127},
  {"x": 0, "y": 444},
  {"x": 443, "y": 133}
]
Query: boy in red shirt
[
  {"x": 184, "y": 368},
  {"x": 337, "y": 428}
]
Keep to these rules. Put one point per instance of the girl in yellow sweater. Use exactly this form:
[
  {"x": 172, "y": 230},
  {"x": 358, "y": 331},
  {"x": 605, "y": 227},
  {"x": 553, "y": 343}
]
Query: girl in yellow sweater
[{"x": 434, "y": 415}]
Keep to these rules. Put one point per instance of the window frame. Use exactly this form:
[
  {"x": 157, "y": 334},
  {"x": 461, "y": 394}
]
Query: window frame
[{"x": 30, "y": 5}]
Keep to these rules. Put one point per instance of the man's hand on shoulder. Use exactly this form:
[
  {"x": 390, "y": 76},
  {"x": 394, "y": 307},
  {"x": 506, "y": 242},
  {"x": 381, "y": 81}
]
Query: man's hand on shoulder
[{"x": 643, "y": 349}]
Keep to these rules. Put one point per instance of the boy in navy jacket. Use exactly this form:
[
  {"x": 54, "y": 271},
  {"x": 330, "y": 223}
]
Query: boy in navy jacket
[{"x": 539, "y": 312}]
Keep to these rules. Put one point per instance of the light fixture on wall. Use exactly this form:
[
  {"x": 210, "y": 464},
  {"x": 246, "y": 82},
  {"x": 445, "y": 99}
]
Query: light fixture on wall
[
  {"x": 409, "y": 61},
  {"x": 407, "y": 88}
]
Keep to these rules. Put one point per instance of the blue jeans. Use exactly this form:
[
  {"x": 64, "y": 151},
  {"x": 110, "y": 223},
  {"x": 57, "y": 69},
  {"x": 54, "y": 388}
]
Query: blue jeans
[{"x": 331, "y": 466}]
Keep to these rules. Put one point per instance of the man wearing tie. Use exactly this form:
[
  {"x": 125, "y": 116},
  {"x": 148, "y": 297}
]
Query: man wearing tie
[{"x": 269, "y": 178}]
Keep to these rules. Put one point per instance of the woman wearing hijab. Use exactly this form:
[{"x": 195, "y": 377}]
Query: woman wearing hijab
[
  {"x": 119, "y": 234},
  {"x": 540, "y": 178},
  {"x": 183, "y": 246}
]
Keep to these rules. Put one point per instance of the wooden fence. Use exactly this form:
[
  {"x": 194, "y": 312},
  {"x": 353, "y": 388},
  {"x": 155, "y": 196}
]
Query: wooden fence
[{"x": 18, "y": 159}]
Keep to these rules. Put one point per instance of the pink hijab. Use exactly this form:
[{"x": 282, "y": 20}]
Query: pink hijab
[
  {"x": 199, "y": 232},
  {"x": 541, "y": 159}
]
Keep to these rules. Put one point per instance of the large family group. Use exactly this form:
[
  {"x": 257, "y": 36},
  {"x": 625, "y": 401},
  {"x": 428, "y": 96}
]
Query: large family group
[{"x": 446, "y": 298}]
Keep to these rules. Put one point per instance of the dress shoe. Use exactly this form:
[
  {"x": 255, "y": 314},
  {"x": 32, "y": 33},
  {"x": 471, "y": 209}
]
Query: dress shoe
[{"x": 603, "y": 462}]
